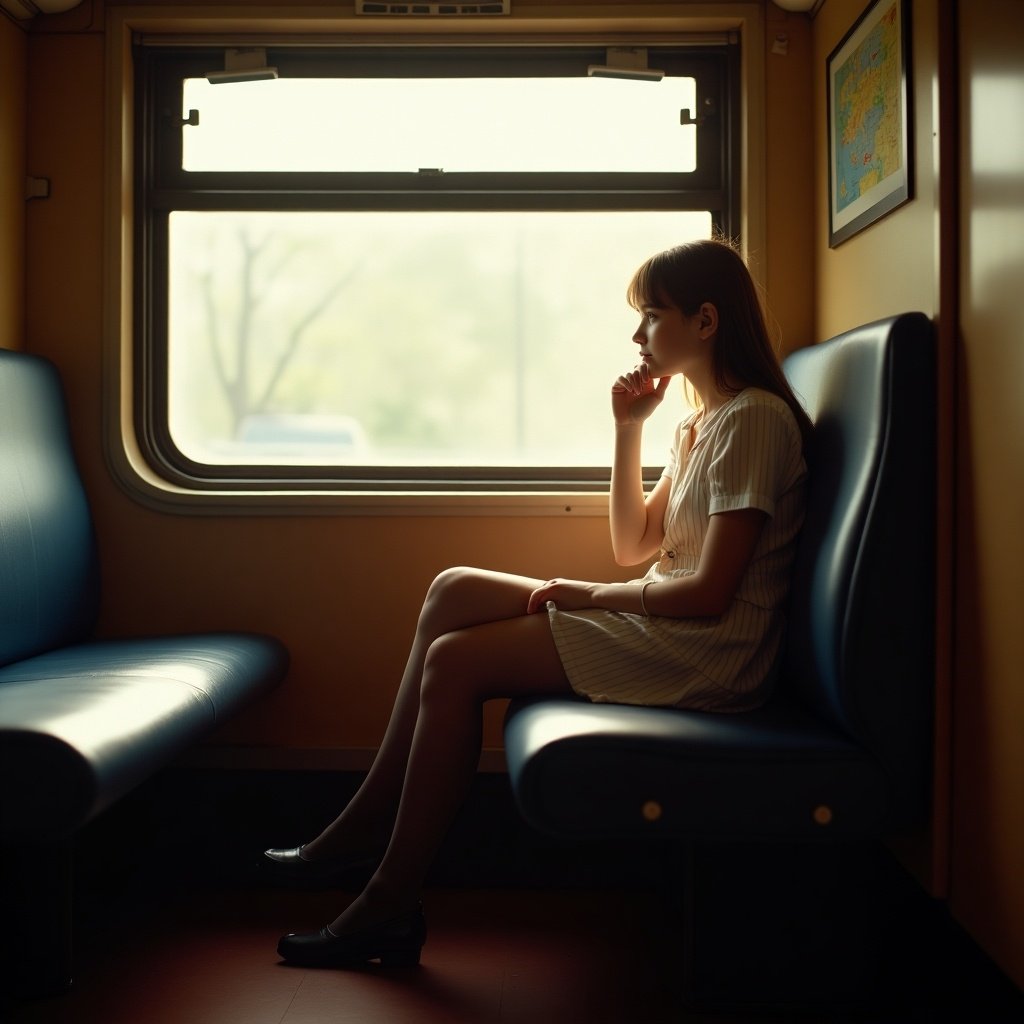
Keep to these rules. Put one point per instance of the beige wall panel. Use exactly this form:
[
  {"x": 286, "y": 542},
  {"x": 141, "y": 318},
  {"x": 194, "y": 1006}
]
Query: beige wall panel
[
  {"x": 891, "y": 267},
  {"x": 13, "y": 114},
  {"x": 789, "y": 148},
  {"x": 988, "y": 810},
  {"x": 341, "y": 591},
  {"x": 65, "y": 231}
]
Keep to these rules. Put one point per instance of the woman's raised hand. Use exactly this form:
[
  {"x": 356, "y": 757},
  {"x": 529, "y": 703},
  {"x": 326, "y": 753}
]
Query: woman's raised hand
[{"x": 635, "y": 395}]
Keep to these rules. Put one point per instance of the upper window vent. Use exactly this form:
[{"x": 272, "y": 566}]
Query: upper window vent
[{"x": 377, "y": 7}]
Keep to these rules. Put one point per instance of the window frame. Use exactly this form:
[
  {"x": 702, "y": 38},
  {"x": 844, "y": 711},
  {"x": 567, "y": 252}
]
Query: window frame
[{"x": 161, "y": 185}]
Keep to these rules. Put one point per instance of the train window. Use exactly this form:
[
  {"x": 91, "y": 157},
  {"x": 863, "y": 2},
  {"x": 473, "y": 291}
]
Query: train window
[
  {"x": 439, "y": 124},
  {"x": 374, "y": 269}
]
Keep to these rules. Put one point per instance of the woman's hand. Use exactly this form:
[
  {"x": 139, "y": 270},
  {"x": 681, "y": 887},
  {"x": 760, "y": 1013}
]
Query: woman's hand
[
  {"x": 569, "y": 595},
  {"x": 635, "y": 395}
]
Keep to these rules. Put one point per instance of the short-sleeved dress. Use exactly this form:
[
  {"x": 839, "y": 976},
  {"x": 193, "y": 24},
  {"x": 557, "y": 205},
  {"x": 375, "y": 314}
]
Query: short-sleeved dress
[{"x": 747, "y": 454}]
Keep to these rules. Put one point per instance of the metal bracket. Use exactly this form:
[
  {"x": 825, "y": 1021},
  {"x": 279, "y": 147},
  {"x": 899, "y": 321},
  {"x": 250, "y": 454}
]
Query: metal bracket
[
  {"x": 37, "y": 188},
  {"x": 710, "y": 110},
  {"x": 243, "y": 64}
]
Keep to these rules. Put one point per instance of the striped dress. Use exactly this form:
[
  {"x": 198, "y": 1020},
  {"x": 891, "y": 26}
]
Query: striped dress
[{"x": 747, "y": 454}]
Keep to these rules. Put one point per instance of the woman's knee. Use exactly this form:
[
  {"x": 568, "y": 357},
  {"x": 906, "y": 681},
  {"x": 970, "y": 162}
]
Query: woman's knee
[
  {"x": 450, "y": 582},
  {"x": 463, "y": 597},
  {"x": 451, "y": 670},
  {"x": 446, "y": 597}
]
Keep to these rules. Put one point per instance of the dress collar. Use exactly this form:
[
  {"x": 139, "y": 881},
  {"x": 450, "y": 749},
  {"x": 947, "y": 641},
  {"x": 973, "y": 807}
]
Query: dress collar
[{"x": 700, "y": 421}]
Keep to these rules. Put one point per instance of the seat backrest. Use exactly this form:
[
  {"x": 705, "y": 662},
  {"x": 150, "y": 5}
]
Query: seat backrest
[
  {"x": 860, "y": 640},
  {"x": 48, "y": 567}
]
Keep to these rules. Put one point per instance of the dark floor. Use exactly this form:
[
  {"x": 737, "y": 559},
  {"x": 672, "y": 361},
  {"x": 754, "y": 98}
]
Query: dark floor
[
  {"x": 491, "y": 956},
  {"x": 508, "y": 956},
  {"x": 172, "y": 927}
]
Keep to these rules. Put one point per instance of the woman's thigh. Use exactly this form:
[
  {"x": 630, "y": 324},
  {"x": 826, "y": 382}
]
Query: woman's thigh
[{"x": 514, "y": 657}]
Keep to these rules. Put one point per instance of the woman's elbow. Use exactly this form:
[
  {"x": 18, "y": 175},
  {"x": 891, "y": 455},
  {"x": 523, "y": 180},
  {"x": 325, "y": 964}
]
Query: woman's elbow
[
  {"x": 703, "y": 602},
  {"x": 716, "y": 605},
  {"x": 717, "y": 597},
  {"x": 629, "y": 556},
  {"x": 698, "y": 610}
]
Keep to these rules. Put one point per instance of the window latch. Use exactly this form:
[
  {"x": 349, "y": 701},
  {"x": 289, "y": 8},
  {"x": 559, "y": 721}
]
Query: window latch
[{"x": 709, "y": 109}]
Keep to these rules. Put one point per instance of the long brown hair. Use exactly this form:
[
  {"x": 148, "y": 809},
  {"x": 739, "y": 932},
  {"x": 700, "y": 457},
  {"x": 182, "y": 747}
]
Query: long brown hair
[{"x": 712, "y": 270}]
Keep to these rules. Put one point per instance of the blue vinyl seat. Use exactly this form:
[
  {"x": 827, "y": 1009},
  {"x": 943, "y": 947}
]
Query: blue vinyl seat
[
  {"x": 83, "y": 720},
  {"x": 842, "y": 751}
]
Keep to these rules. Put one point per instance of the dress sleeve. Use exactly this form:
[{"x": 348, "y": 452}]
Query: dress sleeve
[{"x": 757, "y": 457}]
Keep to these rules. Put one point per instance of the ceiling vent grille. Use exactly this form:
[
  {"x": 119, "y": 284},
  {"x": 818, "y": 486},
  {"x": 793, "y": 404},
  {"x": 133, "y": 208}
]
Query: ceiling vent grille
[{"x": 435, "y": 7}]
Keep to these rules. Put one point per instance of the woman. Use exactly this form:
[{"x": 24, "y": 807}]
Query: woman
[{"x": 701, "y": 629}]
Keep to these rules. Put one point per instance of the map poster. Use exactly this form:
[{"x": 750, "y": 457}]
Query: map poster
[{"x": 868, "y": 120}]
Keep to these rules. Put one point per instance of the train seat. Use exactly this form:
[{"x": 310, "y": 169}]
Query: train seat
[
  {"x": 841, "y": 753},
  {"x": 82, "y": 720}
]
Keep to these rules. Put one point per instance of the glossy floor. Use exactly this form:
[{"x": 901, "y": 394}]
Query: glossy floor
[
  {"x": 176, "y": 923},
  {"x": 491, "y": 956},
  {"x": 508, "y": 956}
]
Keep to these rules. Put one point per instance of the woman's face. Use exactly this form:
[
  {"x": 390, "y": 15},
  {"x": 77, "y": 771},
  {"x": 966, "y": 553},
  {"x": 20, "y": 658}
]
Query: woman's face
[{"x": 669, "y": 340}]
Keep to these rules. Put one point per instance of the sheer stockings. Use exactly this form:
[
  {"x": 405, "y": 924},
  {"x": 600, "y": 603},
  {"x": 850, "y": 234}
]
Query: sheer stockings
[{"x": 473, "y": 642}]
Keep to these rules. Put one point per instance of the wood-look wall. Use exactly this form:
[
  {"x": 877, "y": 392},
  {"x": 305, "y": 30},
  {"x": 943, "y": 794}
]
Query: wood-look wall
[
  {"x": 963, "y": 265},
  {"x": 987, "y": 892},
  {"x": 13, "y": 118},
  {"x": 343, "y": 591}
]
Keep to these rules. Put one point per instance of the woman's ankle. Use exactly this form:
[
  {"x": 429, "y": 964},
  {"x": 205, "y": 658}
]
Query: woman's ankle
[
  {"x": 376, "y": 905},
  {"x": 348, "y": 848}
]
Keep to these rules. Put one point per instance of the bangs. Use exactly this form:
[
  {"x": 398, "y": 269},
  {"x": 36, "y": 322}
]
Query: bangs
[{"x": 648, "y": 287}]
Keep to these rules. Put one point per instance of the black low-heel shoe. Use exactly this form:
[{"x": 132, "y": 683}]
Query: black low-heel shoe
[
  {"x": 395, "y": 943},
  {"x": 288, "y": 867}
]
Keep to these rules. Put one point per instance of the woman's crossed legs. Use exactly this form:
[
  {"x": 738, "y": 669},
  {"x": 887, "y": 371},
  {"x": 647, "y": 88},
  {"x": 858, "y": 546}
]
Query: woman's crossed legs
[{"x": 473, "y": 642}]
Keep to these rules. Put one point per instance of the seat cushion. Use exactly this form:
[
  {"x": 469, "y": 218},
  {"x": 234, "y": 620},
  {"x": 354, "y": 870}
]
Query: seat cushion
[
  {"x": 81, "y": 726},
  {"x": 588, "y": 770}
]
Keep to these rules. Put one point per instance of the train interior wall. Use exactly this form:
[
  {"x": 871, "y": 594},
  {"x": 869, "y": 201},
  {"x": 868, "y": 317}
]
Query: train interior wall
[{"x": 343, "y": 591}]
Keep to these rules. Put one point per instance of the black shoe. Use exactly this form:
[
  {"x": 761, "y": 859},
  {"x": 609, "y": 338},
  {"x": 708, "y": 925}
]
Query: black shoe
[
  {"x": 290, "y": 867},
  {"x": 396, "y": 943}
]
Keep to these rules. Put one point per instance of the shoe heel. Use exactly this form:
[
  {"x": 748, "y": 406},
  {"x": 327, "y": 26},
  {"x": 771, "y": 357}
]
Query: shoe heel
[{"x": 400, "y": 958}]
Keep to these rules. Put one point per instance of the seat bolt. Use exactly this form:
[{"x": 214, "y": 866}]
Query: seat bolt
[{"x": 652, "y": 810}]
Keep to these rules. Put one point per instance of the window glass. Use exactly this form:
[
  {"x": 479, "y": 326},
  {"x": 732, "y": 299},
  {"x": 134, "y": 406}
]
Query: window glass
[
  {"x": 451, "y": 124},
  {"x": 419, "y": 339},
  {"x": 405, "y": 268}
]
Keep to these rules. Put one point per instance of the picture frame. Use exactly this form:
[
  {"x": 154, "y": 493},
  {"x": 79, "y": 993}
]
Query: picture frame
[{"x": 870, "y": 162}]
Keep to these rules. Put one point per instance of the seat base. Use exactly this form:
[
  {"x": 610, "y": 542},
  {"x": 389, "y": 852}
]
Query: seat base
[
  {"x": 36, "y": 908},
  {"x": 777, "y": 925}
]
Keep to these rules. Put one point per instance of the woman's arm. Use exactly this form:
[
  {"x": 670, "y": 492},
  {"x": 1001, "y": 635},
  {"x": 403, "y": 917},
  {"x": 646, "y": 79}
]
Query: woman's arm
[
  {"x": 636, "y": 520},
  {"x": 728, "y": 548}
]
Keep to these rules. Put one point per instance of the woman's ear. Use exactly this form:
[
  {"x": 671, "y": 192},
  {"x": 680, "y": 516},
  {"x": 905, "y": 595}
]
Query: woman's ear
[{"x": 708, "y": 319}]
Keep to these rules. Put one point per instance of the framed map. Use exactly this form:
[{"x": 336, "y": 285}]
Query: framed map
[{"x": 869, "y": 158}]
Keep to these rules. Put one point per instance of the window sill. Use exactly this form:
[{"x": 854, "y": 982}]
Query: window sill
[{"x": 145, "y": 486}]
